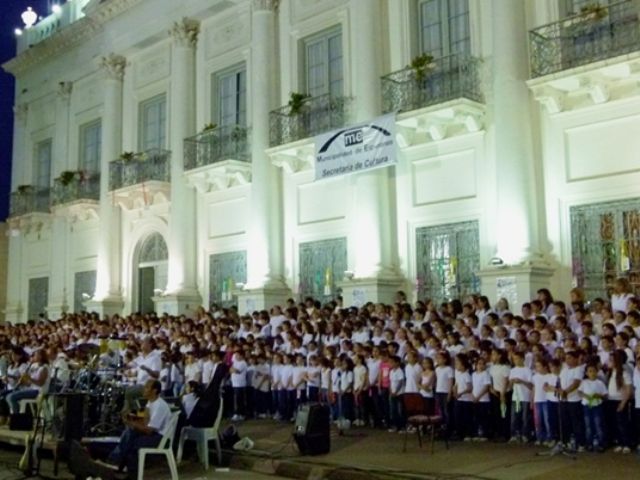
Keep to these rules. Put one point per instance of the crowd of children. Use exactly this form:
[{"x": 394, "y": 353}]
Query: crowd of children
[{"x": 554, "y": 373}]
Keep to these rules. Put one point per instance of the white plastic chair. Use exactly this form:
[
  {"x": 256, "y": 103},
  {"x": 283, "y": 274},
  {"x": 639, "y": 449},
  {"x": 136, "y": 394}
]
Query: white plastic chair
[
  {"x": 163, "y": 448},
  {"x": 202, "y": 436}
]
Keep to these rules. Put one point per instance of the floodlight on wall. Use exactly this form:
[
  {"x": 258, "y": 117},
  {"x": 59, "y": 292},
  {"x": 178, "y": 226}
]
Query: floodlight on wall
[
  {"x": 496, "y": 262},
  {"x": 158, "y": 292},
  {"x": 18, "y": 32},
  {"x": 239, "y": 285},
  {"x": 55, "y": 8},
  {"x": 86, "y": 296},
  {"x": 348, "y": 274},
  {"x": 29, "y": 17}
]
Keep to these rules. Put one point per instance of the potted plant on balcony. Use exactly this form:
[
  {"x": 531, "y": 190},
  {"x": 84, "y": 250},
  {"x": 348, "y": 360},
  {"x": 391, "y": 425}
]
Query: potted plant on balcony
[
  {"x": 67, "y": 177},
  {"x": 24, "y": 189},
  {"x": 127, "y": 156},
  {"x": 209, "y": 126},
  {"x": 593, "y": 12},
  {"x": 297, "y": 102},
  {"x": 421, "y": 66}
]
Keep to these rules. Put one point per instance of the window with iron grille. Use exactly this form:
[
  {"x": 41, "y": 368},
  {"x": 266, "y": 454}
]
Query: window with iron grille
[
  {"x": 448, "y": 260},
  {"x": 605, "y": 245}
]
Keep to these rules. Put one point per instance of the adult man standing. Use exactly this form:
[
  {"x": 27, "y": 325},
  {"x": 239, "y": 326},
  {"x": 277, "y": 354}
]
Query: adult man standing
[{"x": 148, "y": 366}]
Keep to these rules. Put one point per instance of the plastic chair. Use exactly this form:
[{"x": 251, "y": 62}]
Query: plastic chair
[
  {"x": 163, "y": 448},
  {"x": 418, "y": 417},
  {"x": 30, "y": 403},
  {"x": 202, "y": 436}
]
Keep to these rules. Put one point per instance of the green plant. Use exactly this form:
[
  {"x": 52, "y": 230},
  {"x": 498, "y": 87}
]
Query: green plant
[
  {"x": 67, "y": 177},
  {"x": 594, "y": 11},
  {"x": 238, "y": 133},
  {"x": 420, "y": 65},
  {"x": 24, "y": 189},
  {"x": 127, "y": 156},
  {"x": 209, "y": 126},
  {"x": 296, "y": 102}
]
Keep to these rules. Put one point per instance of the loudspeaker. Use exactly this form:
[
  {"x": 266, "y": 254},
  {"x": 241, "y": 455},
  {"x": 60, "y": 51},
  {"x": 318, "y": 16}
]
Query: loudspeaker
[
  {"x": 74, "y": 413},
  {"x": 311, "y": 430}
]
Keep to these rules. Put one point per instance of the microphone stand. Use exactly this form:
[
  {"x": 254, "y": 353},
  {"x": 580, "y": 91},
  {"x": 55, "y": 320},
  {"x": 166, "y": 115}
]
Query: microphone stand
[{"x": 560, "y": 447}]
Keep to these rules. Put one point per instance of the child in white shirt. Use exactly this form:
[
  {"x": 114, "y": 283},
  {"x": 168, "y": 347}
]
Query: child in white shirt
[
  {"x": 481, "y": 383},
  {"x": 462, "y": 388},
  {"x": 396, "y": 389},
  {"x": 360, "y": 383},
  {"x": 521, "y": 381},
  {"x": 593, "y": 391},
  {"x": 239, "y": 384}
]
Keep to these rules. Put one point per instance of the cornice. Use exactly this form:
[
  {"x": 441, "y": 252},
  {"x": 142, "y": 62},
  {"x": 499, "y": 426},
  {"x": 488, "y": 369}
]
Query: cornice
[{"x": 98, "y": 12}]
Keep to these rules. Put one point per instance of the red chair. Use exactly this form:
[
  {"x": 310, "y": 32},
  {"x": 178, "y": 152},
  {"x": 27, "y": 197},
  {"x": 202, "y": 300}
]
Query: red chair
[{"x": 418, "y": 417}]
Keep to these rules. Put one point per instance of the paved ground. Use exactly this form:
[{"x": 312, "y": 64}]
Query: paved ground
[
  {"x": 365, "y": 454},
  {"x": 381, "y": 454}
]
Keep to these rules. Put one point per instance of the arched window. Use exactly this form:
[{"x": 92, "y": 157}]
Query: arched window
[{"x": 154, "y": 249}]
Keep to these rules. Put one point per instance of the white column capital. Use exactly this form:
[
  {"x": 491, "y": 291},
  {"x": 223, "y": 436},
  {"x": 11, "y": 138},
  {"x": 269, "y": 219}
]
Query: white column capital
[
  {"x": 265, "y": 5},
  {"x": 185, "y": 32},
  {"x": 20, "y": 110},
  {"x": 64, "y": 91},
  {"x": 113, "y": 66}
]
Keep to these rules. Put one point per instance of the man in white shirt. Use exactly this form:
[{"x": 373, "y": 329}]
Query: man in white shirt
[
  {"x": 142, "y": 431},
  {"x": 148, "y": 366}
]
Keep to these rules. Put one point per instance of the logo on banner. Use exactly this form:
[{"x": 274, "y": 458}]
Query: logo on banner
[{"x": 352, "y": 149}]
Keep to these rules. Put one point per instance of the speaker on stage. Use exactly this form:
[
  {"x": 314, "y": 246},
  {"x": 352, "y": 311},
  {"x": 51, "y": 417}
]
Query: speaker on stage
[
  {"x": 74, "y": 416},
  {"x": 311, "y": 431}
]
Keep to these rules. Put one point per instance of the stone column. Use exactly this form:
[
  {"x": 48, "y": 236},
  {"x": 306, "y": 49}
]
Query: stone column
[
  {"x": 15, "y": 311},
  {"x": 182, "y": 290},
  {"x": 265, "y": 268},
  {"x": 513, "y": 146},
  {"x": 107, "y": 299},
  {"x": 373, "y": 224},
  {"x": 59, "y": 228}
]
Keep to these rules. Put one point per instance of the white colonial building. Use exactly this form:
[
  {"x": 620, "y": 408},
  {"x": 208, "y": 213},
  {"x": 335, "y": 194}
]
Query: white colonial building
[{"x": 161, "y": 162}]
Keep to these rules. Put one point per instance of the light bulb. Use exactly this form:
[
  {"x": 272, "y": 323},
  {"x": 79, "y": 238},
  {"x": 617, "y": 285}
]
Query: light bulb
[
  {"x": 18, "y": 32},
  {"x": 55, "y": 8},
  {"x": 29, "y": 17}
]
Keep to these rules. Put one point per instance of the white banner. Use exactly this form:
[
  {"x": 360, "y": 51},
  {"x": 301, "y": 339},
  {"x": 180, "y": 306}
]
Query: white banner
[{"x": 355, "y": 148}]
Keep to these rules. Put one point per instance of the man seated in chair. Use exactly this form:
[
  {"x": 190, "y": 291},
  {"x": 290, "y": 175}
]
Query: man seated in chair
[{"x": 142, "y": 430}]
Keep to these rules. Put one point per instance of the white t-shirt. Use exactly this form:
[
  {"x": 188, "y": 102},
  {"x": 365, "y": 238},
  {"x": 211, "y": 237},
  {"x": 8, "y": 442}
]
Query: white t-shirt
[
  {"x": 208, "y": 368},
  {"x": 313, "y": 376},
  {"x": 636, "y": 386},
  {"x": 298, "y": 378},
  {"x": 444, "y": 379},
  {"x": 192, "y": 372},
  {"x": 500, "y": 377},
  {"x": 619, "y": 302},
  {"x": 463, "y": 382},
  {"x": 189, "y": 402},
  {"x": 239, "y": 377},
  {"x": 521, "y": 392},
  {"x": 614, "y": 392},
  {"x": 286, "y": 377},
  {"x": 567, "y": 377},
  {"x": 425, "y": 380},
  {"x": 413, "y": 374},
  {"x": 359, "y": 377},
  {"x": 539, "y": 381},
  {"x": 159, "y": 415},
  {"x": 152, "y": 361},
  {"x": 590, "y": 387},
  {"x": 480, "y": 381},
  {"x": 551, "y": 379},
  {"x": 374, "y": 370},
  {"x": 261, "y": 373},
  {"x": 346, "y": 381},
  {"x": 396, "y": 381},
  {"x": 325, "y": 378}
]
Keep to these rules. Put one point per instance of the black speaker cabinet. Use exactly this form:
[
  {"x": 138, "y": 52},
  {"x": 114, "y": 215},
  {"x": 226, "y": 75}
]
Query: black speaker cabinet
[{"x": 312, "y": 429}]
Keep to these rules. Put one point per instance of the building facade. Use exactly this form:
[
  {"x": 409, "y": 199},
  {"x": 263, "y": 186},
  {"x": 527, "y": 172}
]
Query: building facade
[{"x": 164, "y": 152}]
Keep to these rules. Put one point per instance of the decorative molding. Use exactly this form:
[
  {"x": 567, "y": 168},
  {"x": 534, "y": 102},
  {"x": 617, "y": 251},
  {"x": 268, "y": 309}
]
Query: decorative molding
[
  {"x": 64, "y": 91},
  {"x": 113, "y": 66},
  {"x": 20, "y": 111},
  {"x": 185, "y": 32},
  {"x": 265, "y": 5}
]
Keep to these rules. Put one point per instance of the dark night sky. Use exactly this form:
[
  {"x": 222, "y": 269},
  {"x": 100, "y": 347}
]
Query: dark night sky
[{"x": 9, "y": 20}]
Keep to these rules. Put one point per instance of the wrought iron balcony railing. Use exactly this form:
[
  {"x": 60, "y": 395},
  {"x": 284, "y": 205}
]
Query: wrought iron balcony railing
[
  {"x": 587, "y": 37},
  {"x": 317, "y": 115},
  {"x": 87, "y": 187},
  {"x": 153, "y": 164},
  {"x": 446, "y": 78},
  {"x": 229, "y": 142},
  {"x": 29, "y": 199}
]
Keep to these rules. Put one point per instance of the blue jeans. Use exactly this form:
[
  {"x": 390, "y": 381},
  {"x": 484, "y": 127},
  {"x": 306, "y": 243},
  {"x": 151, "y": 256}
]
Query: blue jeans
[
  {"x": 13, "y": 399},
  {"x": 520, "y": 419},
  {"x": 542, "y": 421},
  {"x": 395, "y": 411},
  {"x": 126, "y": 453},
  {"x": 593, "y": 425}
]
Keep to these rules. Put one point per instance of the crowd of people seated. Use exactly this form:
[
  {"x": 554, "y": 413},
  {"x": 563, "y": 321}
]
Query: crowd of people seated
[{"x": 545, "y": 372}]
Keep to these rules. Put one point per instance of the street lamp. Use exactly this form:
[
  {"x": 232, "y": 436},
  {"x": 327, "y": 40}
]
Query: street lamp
[{"x": 29, "y": 17}]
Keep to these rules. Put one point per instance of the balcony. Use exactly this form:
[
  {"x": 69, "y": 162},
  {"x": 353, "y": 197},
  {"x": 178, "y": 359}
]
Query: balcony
[
  {"x": 29, "y": 199},
  {"x": 29, "y": 208},
  {"x": 442, "y": 99},
  {"x": 291, "y": 132},
  {"x": 76, "y": 195},
  {"x": 218, "y": 158},
  {"x": 588, "y": 58},
  {"x": 141, "y": 179}
]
